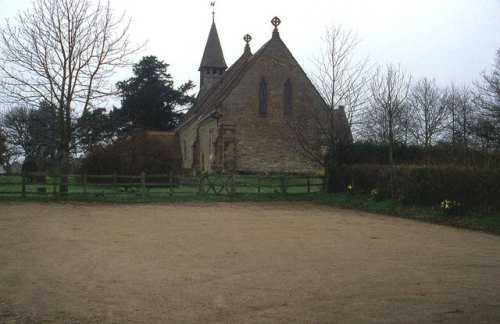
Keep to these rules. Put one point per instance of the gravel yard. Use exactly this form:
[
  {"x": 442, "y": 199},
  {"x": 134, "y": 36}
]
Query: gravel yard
[{"x": 239, "y": 262}]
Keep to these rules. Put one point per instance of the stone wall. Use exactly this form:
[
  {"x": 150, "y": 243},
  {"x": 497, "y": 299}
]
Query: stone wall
[
  {"x": 208, "y": 133},
  {"x": 187, "y": 138}
]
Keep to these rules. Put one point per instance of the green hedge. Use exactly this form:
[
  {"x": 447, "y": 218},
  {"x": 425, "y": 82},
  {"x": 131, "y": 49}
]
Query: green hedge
[{"x": 474, "y": 189}]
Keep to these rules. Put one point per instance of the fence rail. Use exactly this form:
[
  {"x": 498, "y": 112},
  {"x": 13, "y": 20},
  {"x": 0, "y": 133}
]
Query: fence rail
[{"x": 157, "y": 184}]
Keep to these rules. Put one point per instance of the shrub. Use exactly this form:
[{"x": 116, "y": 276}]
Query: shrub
[
  {"x": 474, "y": 189},
  {"x": 141, "y": 152}
]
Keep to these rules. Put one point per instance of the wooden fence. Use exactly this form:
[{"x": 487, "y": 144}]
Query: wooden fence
[{"x": 157, "y": 184}]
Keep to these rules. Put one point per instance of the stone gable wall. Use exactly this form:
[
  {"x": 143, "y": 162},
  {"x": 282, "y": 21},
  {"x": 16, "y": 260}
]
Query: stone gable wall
[{"x": 268, "y": 144}]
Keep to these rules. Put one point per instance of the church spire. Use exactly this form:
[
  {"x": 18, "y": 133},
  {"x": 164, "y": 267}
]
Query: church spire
[
  {"x": 213, "y": 63},
  {"x": 213, "y": 56}
]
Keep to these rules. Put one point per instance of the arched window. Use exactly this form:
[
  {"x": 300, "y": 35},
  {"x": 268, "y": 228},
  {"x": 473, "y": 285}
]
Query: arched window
[
  {"x": 288, "y": 97},
  {"x": 263, "y": 97}
]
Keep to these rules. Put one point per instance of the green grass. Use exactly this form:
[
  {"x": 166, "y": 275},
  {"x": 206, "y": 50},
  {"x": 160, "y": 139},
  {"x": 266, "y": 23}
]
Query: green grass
[
  {"x": 219, "y": 185},
  {"x": 246, "y": 191}
]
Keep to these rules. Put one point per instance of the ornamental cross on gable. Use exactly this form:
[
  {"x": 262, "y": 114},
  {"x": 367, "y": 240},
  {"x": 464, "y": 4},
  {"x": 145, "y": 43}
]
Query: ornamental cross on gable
[{"x": 276, "y": 22}]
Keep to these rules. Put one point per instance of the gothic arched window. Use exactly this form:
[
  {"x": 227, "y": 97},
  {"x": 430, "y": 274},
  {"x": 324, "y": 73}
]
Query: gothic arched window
[
  {"x": 288, "y": 97},
  {"x": 263, "y": 97}
]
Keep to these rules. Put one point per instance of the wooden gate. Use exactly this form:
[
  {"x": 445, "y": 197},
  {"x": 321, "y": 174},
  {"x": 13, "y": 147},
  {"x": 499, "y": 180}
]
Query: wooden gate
[{"x": 219, "y": 185}]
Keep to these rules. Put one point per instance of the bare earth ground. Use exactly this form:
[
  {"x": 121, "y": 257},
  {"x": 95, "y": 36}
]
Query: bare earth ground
[{"x": 239, "y": 262}]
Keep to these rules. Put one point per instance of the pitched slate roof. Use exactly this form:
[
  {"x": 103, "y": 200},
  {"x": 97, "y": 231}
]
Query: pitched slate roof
[{"x": 213, "y": 56}]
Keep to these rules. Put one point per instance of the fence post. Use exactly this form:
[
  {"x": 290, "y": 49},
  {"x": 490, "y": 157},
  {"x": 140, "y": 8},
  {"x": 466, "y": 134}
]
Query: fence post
[
  {"x": 233, "y": 185},
  {"x": 54, "y": 185},
  {"x": 308, "y": 185},
  {"x": 85, "y": 183},
  {"x": 114, "y": 183},
  {"x": 143, "y": 183},
  {"x": 258, "y": 185},
  {"x": 283, "y": 185},
  {"x": 201, "y": 190},
  {"x": 172, "y": 183},
  {"x": 23, "y": 184}
]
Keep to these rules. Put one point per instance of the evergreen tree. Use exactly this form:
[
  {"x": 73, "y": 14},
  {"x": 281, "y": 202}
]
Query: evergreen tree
[{"x": 149, "y": 100}]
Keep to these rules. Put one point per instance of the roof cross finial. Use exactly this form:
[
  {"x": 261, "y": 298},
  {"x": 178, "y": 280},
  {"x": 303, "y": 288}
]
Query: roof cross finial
[
  {"x": 247, "y": 38},
  {"x": 212, "y": 4},
  {"x": 276, "y": 22}
]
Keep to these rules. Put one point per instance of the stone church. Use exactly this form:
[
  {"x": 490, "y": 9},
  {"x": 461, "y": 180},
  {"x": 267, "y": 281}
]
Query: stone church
[{"x": 246, "y": 117}]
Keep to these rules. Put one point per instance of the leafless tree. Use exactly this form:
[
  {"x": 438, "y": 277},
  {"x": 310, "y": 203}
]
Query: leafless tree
[
  {"x": 460, "y": 116},
  {"x": 340, "y": 77},
  {"x": 387, "y": 118},
  {"x": 323, "y": 134},
  {"x": 62, "y": 52},
  {"x": 488, "y": 99},
  {"x": 428, "y": 111}
]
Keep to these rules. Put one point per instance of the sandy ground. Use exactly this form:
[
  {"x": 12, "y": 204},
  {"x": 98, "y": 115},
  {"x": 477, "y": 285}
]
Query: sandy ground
[{"x": 239, "y": 262}]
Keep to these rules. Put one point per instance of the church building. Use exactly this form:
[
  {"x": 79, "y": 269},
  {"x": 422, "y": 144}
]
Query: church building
[{"x": 247, "y": 117}]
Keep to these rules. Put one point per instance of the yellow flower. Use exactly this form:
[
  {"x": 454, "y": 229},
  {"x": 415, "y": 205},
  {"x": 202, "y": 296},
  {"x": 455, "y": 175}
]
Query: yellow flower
[{"x": 349, "y": 187}]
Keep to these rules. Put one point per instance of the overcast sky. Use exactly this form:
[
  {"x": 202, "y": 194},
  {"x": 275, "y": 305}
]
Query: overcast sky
[{"x": 449, "y": 40}]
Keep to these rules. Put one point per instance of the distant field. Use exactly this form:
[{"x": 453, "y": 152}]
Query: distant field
[{"x": 239, "y": 262}]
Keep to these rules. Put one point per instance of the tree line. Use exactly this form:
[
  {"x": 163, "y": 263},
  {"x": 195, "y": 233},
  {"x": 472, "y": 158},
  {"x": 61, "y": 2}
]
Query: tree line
[{"x": 385, "y": 105}]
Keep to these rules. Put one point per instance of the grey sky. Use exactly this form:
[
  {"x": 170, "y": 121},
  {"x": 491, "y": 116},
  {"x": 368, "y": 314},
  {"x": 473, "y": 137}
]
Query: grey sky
[{"x": 449, "y": 40}]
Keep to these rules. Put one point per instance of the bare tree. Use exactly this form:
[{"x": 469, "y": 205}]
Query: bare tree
[
  {"x": 340, "y": 77},
  {"x": 488, "y": 99},
  {"x": 323, "y": 135},
  {"x": 460, "y": 116},
  {"x": 62, "y": 52},
  {"x": 489, "y": 91},
  {"x": 387, "y": 117},
  {"x": 428, "y": 111}
]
